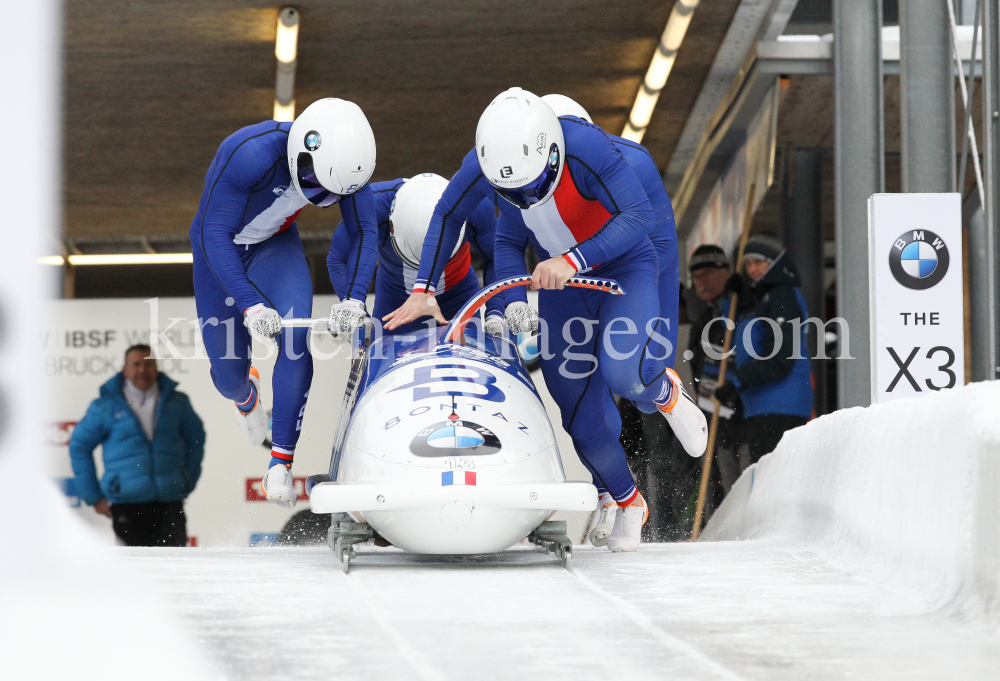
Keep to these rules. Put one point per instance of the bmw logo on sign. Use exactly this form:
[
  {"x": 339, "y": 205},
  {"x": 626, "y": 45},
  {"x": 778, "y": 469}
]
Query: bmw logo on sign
[
  {"x": 455, "y": 438},
  {"x": 313, "y": 140},
  {"x": 918, "y": 259}
]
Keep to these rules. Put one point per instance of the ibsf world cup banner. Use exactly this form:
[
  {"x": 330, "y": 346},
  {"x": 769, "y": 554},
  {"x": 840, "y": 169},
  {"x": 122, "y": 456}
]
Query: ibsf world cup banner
[{"x": 917, "y": 320}]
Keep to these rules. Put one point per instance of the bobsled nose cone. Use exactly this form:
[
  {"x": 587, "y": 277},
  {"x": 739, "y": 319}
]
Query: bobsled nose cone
[{"x": 456, "y": 515}]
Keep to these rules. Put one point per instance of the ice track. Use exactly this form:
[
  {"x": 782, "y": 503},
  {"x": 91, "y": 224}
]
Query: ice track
[
  {"x": 720, "y": 610},
  {"x": 868, "y": 548}
]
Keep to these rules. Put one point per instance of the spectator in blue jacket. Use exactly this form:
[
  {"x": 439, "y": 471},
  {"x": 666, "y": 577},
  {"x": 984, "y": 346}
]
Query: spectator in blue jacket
[
  {"x": 153, "y": 443},
  {"x": 774, "y": 386}
]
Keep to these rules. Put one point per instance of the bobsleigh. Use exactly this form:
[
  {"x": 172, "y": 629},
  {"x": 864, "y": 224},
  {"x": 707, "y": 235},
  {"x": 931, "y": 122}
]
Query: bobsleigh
[{"x": 444, "y": 445}]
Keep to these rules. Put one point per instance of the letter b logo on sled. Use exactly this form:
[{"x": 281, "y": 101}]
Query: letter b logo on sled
[{"x": 465, "y": 381}]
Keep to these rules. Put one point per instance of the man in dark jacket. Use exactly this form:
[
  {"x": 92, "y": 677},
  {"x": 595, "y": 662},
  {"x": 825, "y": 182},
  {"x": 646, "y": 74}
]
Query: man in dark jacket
[
  {"x": 710, "y": 272},
  {"x": 774, "y": 387},
  {"x": 153, "y": 443}
]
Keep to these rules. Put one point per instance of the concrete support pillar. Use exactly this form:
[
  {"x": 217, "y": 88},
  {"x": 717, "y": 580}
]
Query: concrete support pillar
[
  {"x": 859, "y": 162},
  {"x": 802, "y": 225},
  {"x": 965, "y": 12},
  {"x": 983, "y": 241},
  {"x": 982, "y": 317},
  {"x": 927, "y": 94}
]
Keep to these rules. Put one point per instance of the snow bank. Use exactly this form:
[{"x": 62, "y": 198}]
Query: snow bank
[{"x": 906, "y": 494}]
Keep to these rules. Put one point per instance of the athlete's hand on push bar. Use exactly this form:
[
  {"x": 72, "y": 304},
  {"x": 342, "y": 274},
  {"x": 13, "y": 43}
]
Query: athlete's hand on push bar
[
  {"x": 416, "y": 306},
  {"x": 552, "y": 274}
]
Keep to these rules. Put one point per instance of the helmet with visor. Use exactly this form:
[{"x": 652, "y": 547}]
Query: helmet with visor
[
  {"x": 331, "y": 151},
  {"x": 520, "y": 147}
]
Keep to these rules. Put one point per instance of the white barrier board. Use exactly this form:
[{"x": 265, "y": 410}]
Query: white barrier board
[{"x": 917, "y": 321}]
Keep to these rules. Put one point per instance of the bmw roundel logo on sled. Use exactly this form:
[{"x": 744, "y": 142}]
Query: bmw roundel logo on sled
[
  {"x": 918, "y": 259},
  {"x": 313, "y": 140},
  {"x": 455, "y": 438}
]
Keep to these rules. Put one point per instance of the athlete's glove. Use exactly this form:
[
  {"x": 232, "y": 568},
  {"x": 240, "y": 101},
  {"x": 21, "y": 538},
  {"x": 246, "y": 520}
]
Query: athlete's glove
[
  {"x": 261, "y": 321},
  {"x": 346, "y": 317},
  {"x": 521, "y": 318},
  {"x": 494, "y": 324}
]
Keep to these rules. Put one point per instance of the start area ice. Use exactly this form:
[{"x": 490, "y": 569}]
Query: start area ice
[
  {"x": 866, "y": 546},
  {"x": 713, "y": 610}
]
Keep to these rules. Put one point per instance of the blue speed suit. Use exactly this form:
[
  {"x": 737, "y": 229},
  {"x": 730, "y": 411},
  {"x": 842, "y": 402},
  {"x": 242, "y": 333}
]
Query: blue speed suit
[
  {"x": 247, "y": 251},
  {"x": 598, "y": 217},
  {"x": 395, "y": 279},
  {"x": 663, "y": 235}
]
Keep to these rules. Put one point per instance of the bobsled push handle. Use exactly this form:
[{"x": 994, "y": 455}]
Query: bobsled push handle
[
  {"x": 456, "y": 329},
  {"x": 302, "y": 322},
  {"x": 365, "y": 328}
]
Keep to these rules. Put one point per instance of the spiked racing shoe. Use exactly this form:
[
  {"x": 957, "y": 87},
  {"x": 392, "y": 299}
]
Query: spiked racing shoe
[
  {"x": 686, "y": 419},
  {"x": 605, "y": 520},
  {"x": 629, "y": 520},
  {"x": 278, "y": 486},
  {"x": 253, "y": 423}
]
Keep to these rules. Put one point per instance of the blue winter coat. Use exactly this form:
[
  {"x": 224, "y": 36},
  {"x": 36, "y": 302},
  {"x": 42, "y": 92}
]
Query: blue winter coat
[
  {"x": 137, "y": 470},
  {"x": 780, "y": 384}
]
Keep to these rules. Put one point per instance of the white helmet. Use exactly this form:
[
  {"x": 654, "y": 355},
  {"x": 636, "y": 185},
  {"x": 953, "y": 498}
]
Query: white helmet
[
  {"x": 331, "y": 151},
  {"x": 520, "y": 146},
  {"x": 410, "y": 216},
  {"x": 562, "y": 105}
]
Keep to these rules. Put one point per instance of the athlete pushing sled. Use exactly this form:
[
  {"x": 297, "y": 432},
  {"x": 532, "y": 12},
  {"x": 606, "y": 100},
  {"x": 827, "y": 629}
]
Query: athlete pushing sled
[
  {"x": 250, "y": 268},
  {"x": 567, "y": 188}
]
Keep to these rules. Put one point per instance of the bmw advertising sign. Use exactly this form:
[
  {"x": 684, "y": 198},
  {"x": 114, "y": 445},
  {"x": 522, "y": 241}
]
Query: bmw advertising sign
[{"x": 917, "y": 311}]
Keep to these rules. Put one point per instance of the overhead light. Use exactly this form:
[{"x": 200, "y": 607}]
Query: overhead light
[
  {"x": 659, "y": 69},
  {"x": 284, "y": 113},
  {"x": 286, "y": 41},
  {"x": 286, "y": 52},
  {"x": 120, "y": 259}
]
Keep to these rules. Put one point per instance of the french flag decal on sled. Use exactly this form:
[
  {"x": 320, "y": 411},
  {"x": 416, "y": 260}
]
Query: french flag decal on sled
[{"x": 458, "y": 478}]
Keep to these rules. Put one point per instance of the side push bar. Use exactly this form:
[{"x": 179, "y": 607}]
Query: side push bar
[{"x": 456, "y": 328}]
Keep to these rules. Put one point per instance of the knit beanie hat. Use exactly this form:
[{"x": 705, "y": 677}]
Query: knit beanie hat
[
  {"x": 707, "y": 255},
  {"x": 763, "y": 246}
]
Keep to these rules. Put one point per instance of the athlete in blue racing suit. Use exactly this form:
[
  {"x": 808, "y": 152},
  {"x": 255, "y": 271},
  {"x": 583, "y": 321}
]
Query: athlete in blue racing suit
[
  {"x": 458, "y": 282},
  {"x": 596, "y": 220},
  {"x": 248, "y": 255},
  {"x": 663, "y": 236}
]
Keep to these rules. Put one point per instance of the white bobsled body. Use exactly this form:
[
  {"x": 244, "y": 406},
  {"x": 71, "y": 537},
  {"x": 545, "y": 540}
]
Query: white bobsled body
[{"x": 449, "y": 449}]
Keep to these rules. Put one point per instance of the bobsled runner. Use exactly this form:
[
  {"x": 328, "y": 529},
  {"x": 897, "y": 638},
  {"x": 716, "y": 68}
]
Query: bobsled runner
[{"x": 444, "y": 447}]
